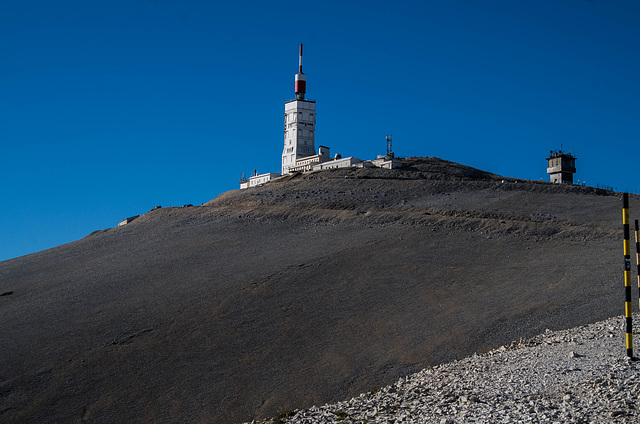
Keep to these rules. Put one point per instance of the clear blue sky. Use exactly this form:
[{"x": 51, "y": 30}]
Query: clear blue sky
[{"x": 109, "y": 108}]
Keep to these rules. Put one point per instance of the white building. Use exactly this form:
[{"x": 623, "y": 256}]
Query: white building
[
  {"x": 386, "y": 161},
  {"x": 341, "y": 163},
  {"x": 299, "y": 152},
  {"x": 257, "y": 179},
  {"x": 299, "y": 132},
  {"x": 308, "y": 163}
]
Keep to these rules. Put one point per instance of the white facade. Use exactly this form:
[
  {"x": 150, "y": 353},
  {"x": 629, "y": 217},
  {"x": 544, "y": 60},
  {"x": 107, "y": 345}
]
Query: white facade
[
  {"x": 338, "y": 163},
  {"x": 308, "y": 163},
  {"x": 257, "y": 180},
  {"x": 388, "y": 162},
  {"x": 299, "y": 132}
]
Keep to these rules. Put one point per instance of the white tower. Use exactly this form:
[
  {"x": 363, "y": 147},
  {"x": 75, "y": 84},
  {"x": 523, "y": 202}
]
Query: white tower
[{"x": 299, "y": 124}]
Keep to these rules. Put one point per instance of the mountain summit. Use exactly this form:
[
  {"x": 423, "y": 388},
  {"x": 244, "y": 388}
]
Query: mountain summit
[{"x": 312, "y": 288}]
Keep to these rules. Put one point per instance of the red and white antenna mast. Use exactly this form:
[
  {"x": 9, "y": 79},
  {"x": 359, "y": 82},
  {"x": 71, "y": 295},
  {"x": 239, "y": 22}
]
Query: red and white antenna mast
[{"x": 301, "y": 79}]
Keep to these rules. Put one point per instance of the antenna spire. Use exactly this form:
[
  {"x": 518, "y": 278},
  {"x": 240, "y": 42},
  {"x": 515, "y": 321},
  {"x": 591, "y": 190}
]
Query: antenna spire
[
  {"x": 300, "y": 60},
  {"x": 301, "y": 79}
]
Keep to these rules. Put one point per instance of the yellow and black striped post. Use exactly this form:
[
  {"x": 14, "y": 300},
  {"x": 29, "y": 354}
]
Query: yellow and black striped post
[
  {"x": 627, "y": 274},
  {"x": 638, "y": 260}
]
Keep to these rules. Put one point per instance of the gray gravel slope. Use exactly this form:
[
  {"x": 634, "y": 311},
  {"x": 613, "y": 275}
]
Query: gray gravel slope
[{"x": 581, "y": 375}]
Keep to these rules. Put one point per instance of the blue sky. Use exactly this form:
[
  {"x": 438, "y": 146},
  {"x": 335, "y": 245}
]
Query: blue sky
[{"x": 109, "y": 108}]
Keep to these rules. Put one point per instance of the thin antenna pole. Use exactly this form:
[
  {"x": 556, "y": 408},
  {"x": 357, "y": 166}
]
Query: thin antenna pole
[{"x": 300, "y": 60}]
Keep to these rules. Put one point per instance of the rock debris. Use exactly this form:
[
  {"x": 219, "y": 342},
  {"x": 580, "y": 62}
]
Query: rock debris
[{"x": 581, "y": 375}]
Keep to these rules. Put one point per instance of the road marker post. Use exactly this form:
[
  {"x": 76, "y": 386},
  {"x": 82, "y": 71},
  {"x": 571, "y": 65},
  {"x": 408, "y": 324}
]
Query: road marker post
[
  {"x": 638, "y": 259},
  {"x": 627, "y": 274}
]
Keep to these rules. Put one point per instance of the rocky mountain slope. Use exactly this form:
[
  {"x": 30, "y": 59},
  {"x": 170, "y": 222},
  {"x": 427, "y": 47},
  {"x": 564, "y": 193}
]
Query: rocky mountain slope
[
  {"x": 580, "y": 375},
  {"x": 310, "y": 289}
]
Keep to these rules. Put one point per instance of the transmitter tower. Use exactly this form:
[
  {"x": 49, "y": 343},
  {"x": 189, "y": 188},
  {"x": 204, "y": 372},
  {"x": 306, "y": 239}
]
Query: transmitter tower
[{"x": 299, "y": 123}]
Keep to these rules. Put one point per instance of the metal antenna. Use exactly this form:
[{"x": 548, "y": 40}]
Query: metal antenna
[{"x": 301, "y": 79}]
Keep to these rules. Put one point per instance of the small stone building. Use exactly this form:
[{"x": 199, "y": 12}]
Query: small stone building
[
  {"x": 561, "y": 166},
  {"x": 127, "y": 220}
]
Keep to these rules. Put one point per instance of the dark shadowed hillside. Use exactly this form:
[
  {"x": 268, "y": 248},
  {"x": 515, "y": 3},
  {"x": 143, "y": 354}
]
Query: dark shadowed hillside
[{"x": 310, "y": 289}]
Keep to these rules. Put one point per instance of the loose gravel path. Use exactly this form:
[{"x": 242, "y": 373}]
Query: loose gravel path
[{"x": 581, "y": 375}]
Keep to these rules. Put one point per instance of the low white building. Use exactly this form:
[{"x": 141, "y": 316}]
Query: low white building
[
  {"x": 340, "y": 163},
  {"x": 258, "y": 179},
  {"x": 386, "y": 161},
  {"x": 308, "y": 163}
]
